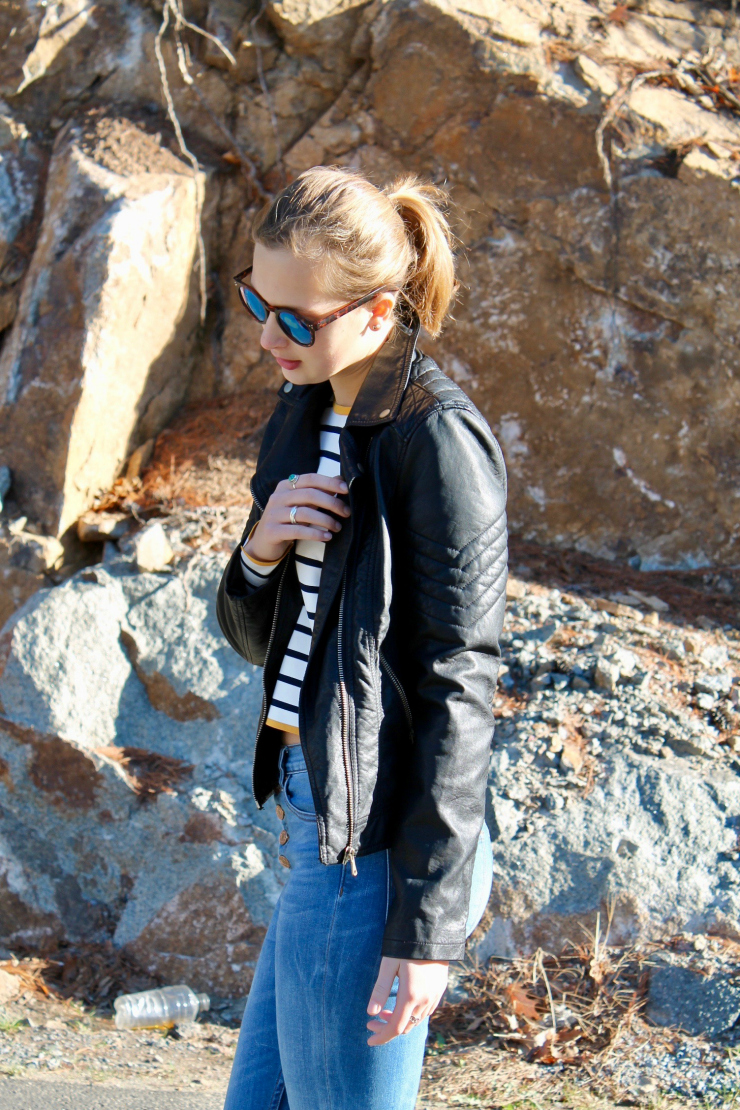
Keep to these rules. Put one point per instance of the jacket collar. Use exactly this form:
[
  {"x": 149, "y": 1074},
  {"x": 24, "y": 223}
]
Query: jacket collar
[
  {"x": 377, "y": 403},
  {"x": 381, "y": 392}
]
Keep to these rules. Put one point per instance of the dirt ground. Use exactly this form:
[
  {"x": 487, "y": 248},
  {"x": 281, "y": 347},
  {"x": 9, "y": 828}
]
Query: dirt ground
[{"x": 490, "y": 1046}]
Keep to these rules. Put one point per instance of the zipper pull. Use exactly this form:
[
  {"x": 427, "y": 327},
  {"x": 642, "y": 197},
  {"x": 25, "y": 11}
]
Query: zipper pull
[{"x": 349, "y": 854}]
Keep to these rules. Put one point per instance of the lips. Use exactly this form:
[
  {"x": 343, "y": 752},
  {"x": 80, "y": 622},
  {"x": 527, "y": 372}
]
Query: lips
[{"x": 288, "y": 363}]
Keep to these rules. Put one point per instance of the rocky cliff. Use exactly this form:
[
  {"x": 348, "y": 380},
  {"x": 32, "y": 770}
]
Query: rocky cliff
[{"x": 591, "y": 152}]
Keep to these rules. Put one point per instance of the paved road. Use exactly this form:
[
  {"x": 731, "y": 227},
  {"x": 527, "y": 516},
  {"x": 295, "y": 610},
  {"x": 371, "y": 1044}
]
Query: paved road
[{"x": 45, "y": 1094}]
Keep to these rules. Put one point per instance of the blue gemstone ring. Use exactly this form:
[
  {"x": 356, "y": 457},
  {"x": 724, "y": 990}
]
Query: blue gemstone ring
[{"x": 293, "y": 479}]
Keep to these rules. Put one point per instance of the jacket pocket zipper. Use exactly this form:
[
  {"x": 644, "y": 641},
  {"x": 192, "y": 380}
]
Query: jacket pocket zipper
[
  {"x": 350, "y": 851},
  {"x": 399, "y": 690}
]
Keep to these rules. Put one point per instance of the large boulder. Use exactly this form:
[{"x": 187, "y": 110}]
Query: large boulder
[
  {"x": 126, "y": 811},
  {"x": 97, "y": 360}
]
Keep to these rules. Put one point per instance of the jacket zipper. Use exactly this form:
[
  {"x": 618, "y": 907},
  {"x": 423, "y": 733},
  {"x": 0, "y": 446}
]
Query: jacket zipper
[
  {"x": 399, "y": 690},
  {"x": 263, "y": 711},
  {"x": 350, "y": 851}
]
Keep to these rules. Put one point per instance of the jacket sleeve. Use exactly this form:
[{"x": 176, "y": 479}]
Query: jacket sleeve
[
  {"x": 451, "y": 542},
  {"x": 244, "y": 612}
]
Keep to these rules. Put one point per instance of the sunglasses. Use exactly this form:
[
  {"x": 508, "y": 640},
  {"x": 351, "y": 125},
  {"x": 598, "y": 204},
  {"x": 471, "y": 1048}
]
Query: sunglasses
[{"x": 294, "y": 324}]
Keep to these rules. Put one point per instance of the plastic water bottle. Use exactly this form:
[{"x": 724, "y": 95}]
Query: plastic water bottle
[{"x": 167, "y": 1006}]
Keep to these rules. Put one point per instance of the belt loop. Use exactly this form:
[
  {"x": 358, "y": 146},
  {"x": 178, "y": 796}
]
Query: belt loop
[{"x": 281, "y": 767}]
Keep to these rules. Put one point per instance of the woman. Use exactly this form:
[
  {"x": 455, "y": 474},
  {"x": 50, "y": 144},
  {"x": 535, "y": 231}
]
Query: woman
[{"x": 370, "y": 585}]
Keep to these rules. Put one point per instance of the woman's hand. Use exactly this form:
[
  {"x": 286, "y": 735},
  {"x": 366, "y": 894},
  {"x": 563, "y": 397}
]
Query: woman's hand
[
  {"x": 316, "y": 496},
  {"x": 421, "y": 984}
]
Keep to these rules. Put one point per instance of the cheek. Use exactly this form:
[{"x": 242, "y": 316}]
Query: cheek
[{"x": 342, "y": 344}]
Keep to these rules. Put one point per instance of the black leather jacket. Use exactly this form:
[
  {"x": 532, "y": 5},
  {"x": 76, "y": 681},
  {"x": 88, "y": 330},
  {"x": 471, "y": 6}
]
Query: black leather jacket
[{"x": 396, "y": 718}]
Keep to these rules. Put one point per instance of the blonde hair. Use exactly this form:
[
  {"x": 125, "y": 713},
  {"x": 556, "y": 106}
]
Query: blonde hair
[{"x": 365, "y": 238}]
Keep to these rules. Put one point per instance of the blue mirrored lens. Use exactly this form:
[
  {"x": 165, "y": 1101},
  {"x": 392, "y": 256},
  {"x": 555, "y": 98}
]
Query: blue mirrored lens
[
  {"x": 295, "y": 328},
  {"x": 254, "y": 304}
]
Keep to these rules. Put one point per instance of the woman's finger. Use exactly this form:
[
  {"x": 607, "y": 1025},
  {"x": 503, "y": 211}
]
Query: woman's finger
[
  {"x": 286, "y": 533},
  {"x": 317, "y": 481},
  {"x": 310, "y": 496},
  {"x": 395, "y": 1021},
  {"x": 304, "y": 514},
  {"x": 383, "y": 984}
]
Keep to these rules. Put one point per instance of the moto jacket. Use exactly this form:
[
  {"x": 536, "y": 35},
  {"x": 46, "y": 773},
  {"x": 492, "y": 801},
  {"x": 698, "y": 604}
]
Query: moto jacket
[{"x": 396, "y": 708}]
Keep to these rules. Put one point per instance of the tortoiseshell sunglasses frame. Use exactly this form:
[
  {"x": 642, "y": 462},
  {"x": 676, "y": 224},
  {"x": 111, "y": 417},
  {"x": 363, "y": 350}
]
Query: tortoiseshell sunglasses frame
[{"x": 311, "y": 326}]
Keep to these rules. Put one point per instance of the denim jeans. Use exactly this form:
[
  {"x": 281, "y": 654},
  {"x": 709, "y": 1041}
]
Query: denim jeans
[{"x": 303, "y": 1041}]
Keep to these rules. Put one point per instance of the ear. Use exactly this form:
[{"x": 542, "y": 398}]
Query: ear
[{"x": 382, "y": 308}]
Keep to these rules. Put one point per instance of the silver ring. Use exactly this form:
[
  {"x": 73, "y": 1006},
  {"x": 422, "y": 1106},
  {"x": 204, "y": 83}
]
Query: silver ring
[
  {"x": 293, "y": 480},
  {"x": 414, "y": 1020},
  {"x": 293, "y": 511}
]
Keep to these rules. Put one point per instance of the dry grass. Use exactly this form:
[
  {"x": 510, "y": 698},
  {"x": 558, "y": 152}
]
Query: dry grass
[
  {"x": 548, "y": 1028},
  {"x": 91, "y": 973}
]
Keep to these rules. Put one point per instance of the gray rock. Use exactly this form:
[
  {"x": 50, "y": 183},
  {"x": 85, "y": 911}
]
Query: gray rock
[
  {"x": 698, "y": 1004},
  {"x": 650, "y": 837},
  {"x": 115, "y": 683},
  {"x": 606, "y": 674},
  {"x": 717, "y": 684}
]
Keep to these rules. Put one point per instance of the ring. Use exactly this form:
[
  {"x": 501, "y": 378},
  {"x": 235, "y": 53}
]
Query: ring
[
  {"x": 293, "y": 480},
  {"x": 414, "y": 1020},
  {"x": 293, "y": 511}
]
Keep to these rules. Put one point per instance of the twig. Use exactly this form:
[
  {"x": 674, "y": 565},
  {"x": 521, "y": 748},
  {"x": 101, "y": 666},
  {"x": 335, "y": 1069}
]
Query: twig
[
  {"x": 246, "y": 164},
  {"x": 614, "y": 106},
  {"x": 539, "y": 960},
  {"x": 265, "y": 90},
  {"x": 197, "y": 176}
]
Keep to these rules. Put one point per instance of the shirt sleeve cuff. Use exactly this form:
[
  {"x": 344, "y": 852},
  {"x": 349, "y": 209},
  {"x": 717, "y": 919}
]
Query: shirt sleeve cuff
[{"x": 256, "y": 571}]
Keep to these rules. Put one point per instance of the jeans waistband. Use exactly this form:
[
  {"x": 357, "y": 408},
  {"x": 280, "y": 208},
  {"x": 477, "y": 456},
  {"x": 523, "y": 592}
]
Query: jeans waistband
[{"x": 291, "y": 758}]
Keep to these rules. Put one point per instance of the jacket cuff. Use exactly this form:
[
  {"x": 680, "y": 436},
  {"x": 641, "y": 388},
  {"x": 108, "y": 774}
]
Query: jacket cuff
[{"x": 422, "y": 950}]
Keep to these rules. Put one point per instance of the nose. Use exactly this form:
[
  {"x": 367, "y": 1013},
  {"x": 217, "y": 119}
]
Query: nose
[{"x": 272, "y": 337}]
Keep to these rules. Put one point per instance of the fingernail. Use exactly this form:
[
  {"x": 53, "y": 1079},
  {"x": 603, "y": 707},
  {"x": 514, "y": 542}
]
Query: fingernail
[
  {"x": 343, "y": 487},
  {"x": 327, "y": 535},
  {"x": 373, "y": 1008}
]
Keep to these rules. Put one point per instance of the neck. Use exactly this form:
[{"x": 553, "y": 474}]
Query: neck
[{"x": 348, "y": 382}]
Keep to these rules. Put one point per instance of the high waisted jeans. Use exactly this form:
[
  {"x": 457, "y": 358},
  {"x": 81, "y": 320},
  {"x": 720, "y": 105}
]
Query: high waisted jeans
[{"x": 303, "y": 1042}]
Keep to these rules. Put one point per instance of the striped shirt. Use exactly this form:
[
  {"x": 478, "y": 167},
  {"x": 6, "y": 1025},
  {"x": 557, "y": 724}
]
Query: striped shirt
[{"x": 309, "y": 559}]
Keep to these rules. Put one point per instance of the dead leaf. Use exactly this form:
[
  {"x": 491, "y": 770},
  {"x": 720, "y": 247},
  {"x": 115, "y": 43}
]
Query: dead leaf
[{"x": 523, "y": 1002}]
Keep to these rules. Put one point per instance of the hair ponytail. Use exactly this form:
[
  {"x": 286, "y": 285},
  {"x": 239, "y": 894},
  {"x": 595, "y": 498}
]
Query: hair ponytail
[
  {"x": 430, "y": 285},
  {"x": 365, "y": 238}
]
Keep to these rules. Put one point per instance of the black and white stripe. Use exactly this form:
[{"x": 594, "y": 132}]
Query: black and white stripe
[{"x": 309, "y": 558}]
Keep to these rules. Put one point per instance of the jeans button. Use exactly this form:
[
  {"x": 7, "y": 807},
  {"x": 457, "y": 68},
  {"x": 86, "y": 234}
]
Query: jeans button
[
  {"x": 285, "y": 862},
  {"x": 280, "y": 811},
  {"x": 283, "y": 838}
]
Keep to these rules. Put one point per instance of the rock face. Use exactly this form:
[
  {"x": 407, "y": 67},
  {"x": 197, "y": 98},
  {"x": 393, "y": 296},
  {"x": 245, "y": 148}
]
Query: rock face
[
  {"x": 620, "y": 800},
  {"x": 594, "y": 332},
  {"x": 651, "y": 839},
  {"x": 126, "y": 734},
  {"x": 597, "y": 213},
  {"x": 95, "y": 358},
  {"x": 125, "y": 789}
]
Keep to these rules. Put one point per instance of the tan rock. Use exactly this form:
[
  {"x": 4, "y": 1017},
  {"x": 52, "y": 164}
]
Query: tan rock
[
  {"x": 139, "y": 459},
  {"x": 98, "y": 372},
  {"x": 152, "y": 548},
  {"x": 10, "y": 986},
  {"x": 571, "y": 757}
]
